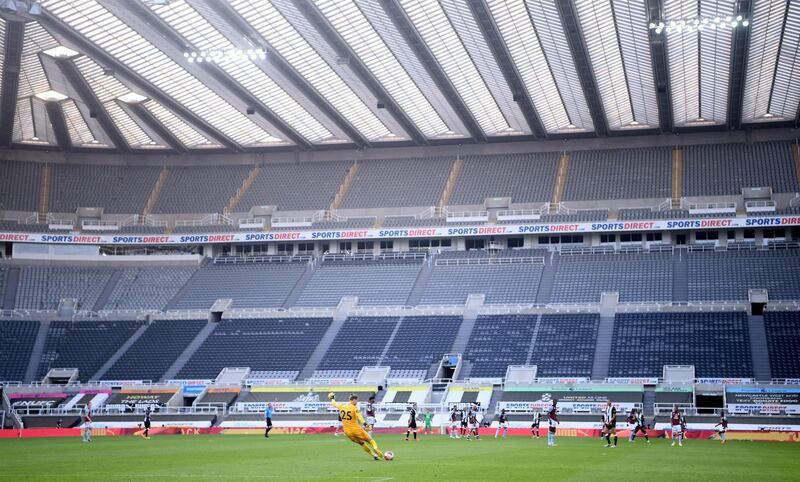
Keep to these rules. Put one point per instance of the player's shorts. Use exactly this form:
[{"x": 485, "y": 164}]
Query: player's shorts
[
  {"x": 503, "y": 425},
  {"x": 357, "y": 435},
  {"x": 535, "y": 425},
  {"x": 473, "y": 426},
  {"x": 552, "y": 429},
  {"x": 631, "y": 427},
  {"x": 640, "y": 428},
  {"x": 611, "y": 425},
  {"x": 676, "y": 429},
  {"x": 370, "y": 420},
  {"x": 87, "y": 425},
  {"x": 723, "y": 430},
  {"x": 412, "y": 424},
  {"x": 147, "y": 424},
  {"x": 269, "y": 422},
  {"x": 463, "y": 424}
]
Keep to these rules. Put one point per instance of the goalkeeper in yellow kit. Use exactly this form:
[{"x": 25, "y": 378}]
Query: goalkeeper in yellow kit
[{"x": 353, "y": 422}]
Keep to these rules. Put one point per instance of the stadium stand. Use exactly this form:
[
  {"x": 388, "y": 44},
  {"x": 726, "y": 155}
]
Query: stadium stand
[
  {"x": 19, "y": 186},
  {"x": 84, "y": 345},
  {"x": 375, "y": 282},
  {"x": 295, "y": 187},
  {"x": 525, "y": 178},
  {"x": 727, "y": 275},
  {"x": 15, "y": 226},
  {"x": 352, "y": 223},
  {"x": 16, "y": 344},
  {"x": 117, "y": 189},
  {"x": 619, "y": 174},
  {"x": 499, "y": 341},
  {"x": 41, "y": 288},
  {"x": 349, "y": 352},
  {"x": 134, "y": 229},
  {"x": 261, "y": 344},
  {"x": 565, "y": 345},
  {"x": 636, "y": 276},
  {"x": 209, "y": 228},
  {"x": 155, "y": 350},
  {"x": 420, "y": 341},
  {"x": 717, "y": 344},
  {"x": 412, "y": 221},
  {"x": 199, "y": 189},
  {"x": 250, "y": 285},
  {"x": 502, "y": 283},
  {"x": 148, "y": 288},
  {"x": 724, "y": 169},
  {"x": 783, "y": 338},
  {"x": 398, "y": 183}
]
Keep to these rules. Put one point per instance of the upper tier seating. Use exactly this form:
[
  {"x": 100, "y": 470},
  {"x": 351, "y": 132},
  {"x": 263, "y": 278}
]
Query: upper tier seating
[
  {"x": 525, "y": 178},
  {"x": 783, "y": 338},
  {"x": 565, "y": 345},
  {"x": 412, "y": 221},
  {"x": 633, "y": 214},
  {"x": 582, "y": 216},
  {"x": 421, "y": 341},
  {"x": 137, "y": 229},
  {"x": 211, "y": 228},
  {"x": 19, "y": 186},
  {"x": 360, "y": 342},
  {"x": 155, "y": 351},
  {"x": 352, "y": 223},
  {"x": 148, "y": 288},
  {"x": 728, "y": 275},
  {"x": 398, "y": 182},
  {"x": 117, "y": 189},
  {"x": 84, "y": 345},
  {"x": 250, "y": 285},
  {"x": 717, "y": 344},
  {"x": 724, "y": 169},
  {"x": 581, "y": 278},
  {"x": 619, "y": 174},
  {"x": 16, "y": 344},
  {"x": 41, "y": 288},
  {"x": 375, "y": 282},
  {"x": 303, "y": 186},
  {"x": 204, "y": 189},
  {"x": 267, "y": 344}
]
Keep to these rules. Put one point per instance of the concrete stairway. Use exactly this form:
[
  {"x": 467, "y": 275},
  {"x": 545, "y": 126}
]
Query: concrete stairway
[
  {"x": 677, "y": 177},
  {"x": 12, "y": 284},
  {"x": 545, "y": 290},
  {"x": 234, "y": 201},
  {"x": 36, "y": 352},
  {"x": 116, "y": 356},
  {"x": 796, "y": 155},
  {"x": 762, "y": 370},
  {"x": 534, "y": 336},
  {"x": 450, "y": 185},
  {"x": 157, "y": 187},
  {"x": 44, "y": 193},
  {"x": 190, "y": 350},
  {"x": 602, "y": 351},
  {"x": 390, "y": 340},
  {"x": 680, "y": 275},
  {"x": 415, "y": 296},
  {"x": 338, "y": 199},
  {"x": 464, "y": 331},
  {"x": 298, "y": 288},
  {"x": 322, "y": 348},
  {"x": 561, "y": 182},
  {"x": 102, "y": 300},
  {"x": 649, "y": 401}
]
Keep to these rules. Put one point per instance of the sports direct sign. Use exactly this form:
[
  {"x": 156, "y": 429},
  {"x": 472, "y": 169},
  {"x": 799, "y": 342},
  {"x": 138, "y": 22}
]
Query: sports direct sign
[
  {"x": 399, "y": 233},
  {"x": 770, "y": 400}
]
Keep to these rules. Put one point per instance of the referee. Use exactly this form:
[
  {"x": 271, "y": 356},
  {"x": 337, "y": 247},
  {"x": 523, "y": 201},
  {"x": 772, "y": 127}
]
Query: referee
[{"x": 268, "y": 419}]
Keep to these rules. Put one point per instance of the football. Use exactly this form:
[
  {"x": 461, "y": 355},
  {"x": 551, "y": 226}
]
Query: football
[{"x": 388, "y": 455}]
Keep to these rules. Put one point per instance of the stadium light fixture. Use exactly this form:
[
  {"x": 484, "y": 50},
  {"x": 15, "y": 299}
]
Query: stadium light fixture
[
  {"x": 698, "y": 24},
  {"x": 61, "y": 52},
  {"x": 132, "y": 98}
]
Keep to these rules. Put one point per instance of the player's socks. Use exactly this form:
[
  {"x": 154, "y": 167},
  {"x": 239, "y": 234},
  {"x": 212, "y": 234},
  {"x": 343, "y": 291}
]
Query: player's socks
[
  {"x": 415, "y": 435},
  {"x": 608, "y": 440},
  {"x": 375, "y": 448},
  {"x": 368, "y": 449},
  {"x": 615, "y": 440}
]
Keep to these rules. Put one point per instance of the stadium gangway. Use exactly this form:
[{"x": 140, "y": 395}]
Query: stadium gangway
[
  {"x": 490, "y": 261},
  {"x": 263, "y": 259}
]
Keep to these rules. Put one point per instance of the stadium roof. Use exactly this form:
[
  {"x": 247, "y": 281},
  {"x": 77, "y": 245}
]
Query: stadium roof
[{"x": 255, "y": 75}]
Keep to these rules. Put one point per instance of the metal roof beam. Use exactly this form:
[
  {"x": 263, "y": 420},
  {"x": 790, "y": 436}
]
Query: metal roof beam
[
  {"x": 148, "y": 118},
  {"x": 577, "y": 45},
  {"x": 234, "y": 19},
  {"x": 658, "y": 51},
  {"x": 414, "y": 40},
  {"x": 15, "y": 33},
  {"x": 222, "y": 77},
  {"x": 87, "y": 96},
  {"x": 740, "y": 44},
  {"x": 317, "y": 19},
  {"x": 501, "y": 54},
  {"x": 56, "y": 115},
  {"x": 100, "y": 56}
]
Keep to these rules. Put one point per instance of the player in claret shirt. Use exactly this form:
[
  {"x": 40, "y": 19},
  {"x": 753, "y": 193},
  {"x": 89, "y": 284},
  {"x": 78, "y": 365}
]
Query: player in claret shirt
[
  {"x": 370, "y": 414},
  {"x": 676, "y": 421},
  {"x": 455, "y": 420},
  {"x": 632, "y": 424},
  {"x": 552, "y": 421},
  {"x": 723, "y": 426},
  {"x": 502, "y": 424}
]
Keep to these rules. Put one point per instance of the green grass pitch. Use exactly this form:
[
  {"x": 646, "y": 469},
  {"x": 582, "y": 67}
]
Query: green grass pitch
[{"x": 325, "y": 457}]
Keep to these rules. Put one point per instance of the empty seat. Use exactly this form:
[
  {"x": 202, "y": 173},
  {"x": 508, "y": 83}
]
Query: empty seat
[{"x": 783, "y": 340}]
